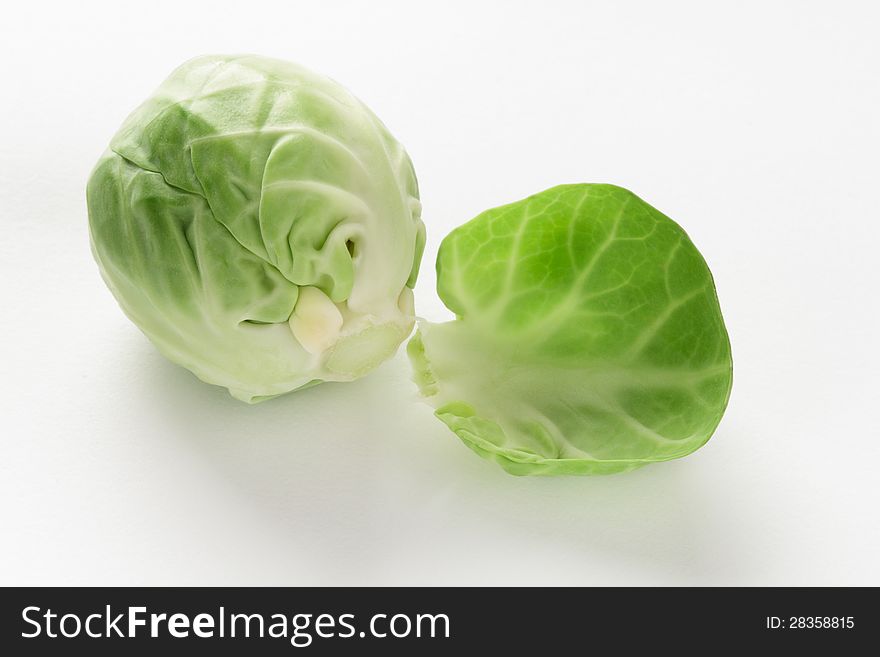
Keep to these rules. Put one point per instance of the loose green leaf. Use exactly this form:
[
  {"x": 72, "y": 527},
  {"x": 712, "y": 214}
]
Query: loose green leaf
[{"x": 588, "y": 337}]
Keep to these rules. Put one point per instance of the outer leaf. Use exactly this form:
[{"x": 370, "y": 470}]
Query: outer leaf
[{"x": 589, "y": 338}]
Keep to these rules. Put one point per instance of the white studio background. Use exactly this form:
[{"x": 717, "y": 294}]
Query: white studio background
[{"x": 756, "y": 125}]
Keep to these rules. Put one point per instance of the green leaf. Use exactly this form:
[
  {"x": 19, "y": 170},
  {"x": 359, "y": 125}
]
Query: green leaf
[{"x": 589, "y": 337}]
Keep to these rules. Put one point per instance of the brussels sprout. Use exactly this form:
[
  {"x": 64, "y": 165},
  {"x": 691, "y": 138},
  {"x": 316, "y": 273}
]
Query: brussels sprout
[
  {"x": 588, "y": 337},
  {"x": 260, "y": 225}
]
